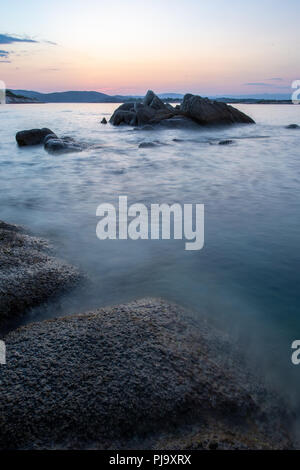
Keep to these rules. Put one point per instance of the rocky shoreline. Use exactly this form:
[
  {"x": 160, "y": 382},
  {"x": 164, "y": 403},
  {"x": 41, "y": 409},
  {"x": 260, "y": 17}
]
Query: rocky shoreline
[
  {"x": 135, "y": 376},
  {"x": 30, "y": 273},
  {"x": 141, "y": 375}
]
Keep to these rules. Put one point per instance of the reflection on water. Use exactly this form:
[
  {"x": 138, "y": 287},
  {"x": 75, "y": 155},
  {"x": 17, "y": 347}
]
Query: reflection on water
[{"x": 247, "y": 276}]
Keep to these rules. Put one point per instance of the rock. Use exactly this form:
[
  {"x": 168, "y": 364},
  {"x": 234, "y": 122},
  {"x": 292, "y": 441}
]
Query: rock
[
  {"x": 104, "y": 121},
  {"x": 144, "y": 114},
  {"x": 147, "y": 145},
  {"x": 292, "y": 126},
  {"x": 147, "y": 127},
  {"x": 153, "y": 101},
  {"x": 209, "y": 112},
  {"x": 130, "y": 375},
  {"x": 170, "y": 107},
  {"x": 151, "y": 111},
  {"x": 49, "y": 137},
  {"x": 52, "y": 143},
  {"x": 179, "y": 122},
  {"x": 29, "y": 272},
  {"x": 121, "y": 116},
  {"x": 193, "y": 109},
  {"x": 32, "y": 136},
  {"x": 62, "y": 145},
  {"x": 226, "y": 142},
  {"x": 128, "y": 106}
]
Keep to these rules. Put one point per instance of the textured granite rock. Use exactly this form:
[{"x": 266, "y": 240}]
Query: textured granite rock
[
  {"x": 141, "y": 375},
  {"x": 29, "y": 274}
]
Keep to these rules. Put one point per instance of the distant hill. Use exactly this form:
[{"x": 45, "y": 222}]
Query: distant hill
[
  {"x": 261, "y": 96},
  {"x": 71, "y": 97},
  {"x": 13, "y": 98},
  {"x": 97, "y": 97},
  {"x": 87, "y": 96}
]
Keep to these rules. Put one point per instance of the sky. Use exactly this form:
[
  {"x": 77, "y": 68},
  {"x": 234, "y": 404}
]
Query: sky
[{"x": 212, "y": 47}]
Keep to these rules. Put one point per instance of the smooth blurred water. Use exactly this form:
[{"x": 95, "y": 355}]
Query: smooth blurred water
[{"x": 247, "y": 276}]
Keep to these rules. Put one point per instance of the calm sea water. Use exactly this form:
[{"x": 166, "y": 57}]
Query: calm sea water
[{"x": 246, "y": 279}]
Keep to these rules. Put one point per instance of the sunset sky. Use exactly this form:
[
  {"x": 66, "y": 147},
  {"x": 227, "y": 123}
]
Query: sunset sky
[{"x": 127, "y": 46}]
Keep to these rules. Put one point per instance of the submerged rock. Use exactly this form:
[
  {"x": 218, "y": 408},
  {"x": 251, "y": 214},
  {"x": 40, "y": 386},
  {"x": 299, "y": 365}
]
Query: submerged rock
[
  {"x": 29, "y": 272},
  {"x": 226, "y": 142},
  {"x": 62, "y": 145},
  {"x": 32, "y": 136},
  {"x": 179, "y": 122},
  {"x": 193, "y": 109},
  {"x": 52, "y": 143},
  {"x": 144, "y": 145},
  {"x": 130, "y": 375}
]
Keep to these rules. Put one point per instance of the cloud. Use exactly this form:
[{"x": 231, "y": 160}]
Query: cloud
[
  {"x": 4, "y": 53},
  {"x": 268, "y": 85},
  {"x": 51, "y": 43},
  {"x": 275, "y": 79},
  {"x": 7, "y": 39},
  {"x": 12, "y": 39},
  {"x": 259, "y": 84}
]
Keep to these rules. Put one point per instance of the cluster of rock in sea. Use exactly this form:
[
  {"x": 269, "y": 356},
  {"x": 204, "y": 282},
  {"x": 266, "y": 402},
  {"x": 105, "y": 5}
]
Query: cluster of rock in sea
[
  {"x": 143, "y": 375},
  {"x": 193, "y": 110},
  {"x": 52, "y": 143}
]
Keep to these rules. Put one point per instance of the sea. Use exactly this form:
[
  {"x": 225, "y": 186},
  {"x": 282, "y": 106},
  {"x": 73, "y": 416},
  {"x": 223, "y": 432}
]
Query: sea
[{"x": 245, "y": 280}]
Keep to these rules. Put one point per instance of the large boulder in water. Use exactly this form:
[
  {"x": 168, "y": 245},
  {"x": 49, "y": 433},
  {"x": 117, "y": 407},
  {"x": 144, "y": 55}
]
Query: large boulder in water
[
  {"x": 194, "y": 109},
  {"x": 206, "y": 111},
  {"x": 32, "y": 136},
  {"x": 30, "y": 274},
  {"x": 54, "y": 144}
]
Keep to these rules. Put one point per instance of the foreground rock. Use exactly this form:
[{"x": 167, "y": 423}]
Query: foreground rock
[
  {"x": 193, "y": 109},
  {"x": 131, "y": 376},
  {"x": 29, "y": 272}
]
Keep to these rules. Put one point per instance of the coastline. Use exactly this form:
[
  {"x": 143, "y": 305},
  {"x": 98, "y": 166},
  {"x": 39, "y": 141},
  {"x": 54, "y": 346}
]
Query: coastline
[{"x": 134, "y": 376}]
